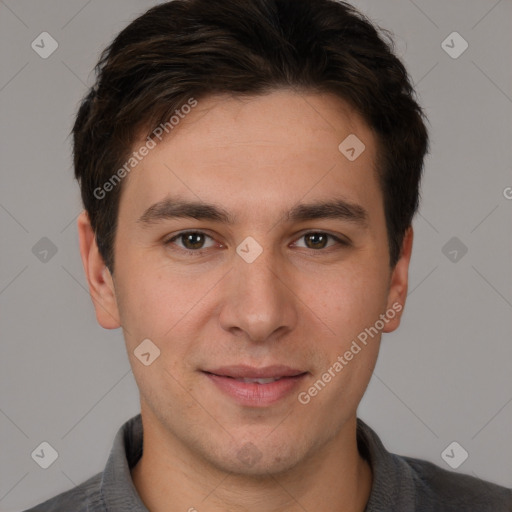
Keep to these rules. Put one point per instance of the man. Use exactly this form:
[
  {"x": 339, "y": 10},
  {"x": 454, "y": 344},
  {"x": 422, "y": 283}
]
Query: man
[{"x": 249, "y": 172}]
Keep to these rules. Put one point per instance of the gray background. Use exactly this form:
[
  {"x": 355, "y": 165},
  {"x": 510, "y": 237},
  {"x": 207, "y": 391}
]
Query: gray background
[{"x": 444, "y": 376}]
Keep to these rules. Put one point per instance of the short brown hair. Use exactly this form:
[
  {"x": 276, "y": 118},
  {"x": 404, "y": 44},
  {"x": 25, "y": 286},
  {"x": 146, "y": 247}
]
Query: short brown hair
[{"x": 194, "y": 48}]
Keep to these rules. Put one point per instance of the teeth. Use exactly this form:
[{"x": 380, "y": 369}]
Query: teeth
[{"x": 260, "y": 381}]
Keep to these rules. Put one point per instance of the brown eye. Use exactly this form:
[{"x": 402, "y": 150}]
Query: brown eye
[
  {"x": 316, "y": 240},
  {"x": 190, "y": 241},
  {"x": 319, "y": 240}
]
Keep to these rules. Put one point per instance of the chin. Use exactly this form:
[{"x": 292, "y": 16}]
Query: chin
[{"x": 255, "y": 460}]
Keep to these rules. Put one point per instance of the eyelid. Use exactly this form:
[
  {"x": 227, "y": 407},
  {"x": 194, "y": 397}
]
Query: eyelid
[
  {"x": 171, "y": 239},
  {"x": 339, "y": 239}
]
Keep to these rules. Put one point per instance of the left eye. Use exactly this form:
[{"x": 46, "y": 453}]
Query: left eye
[
  {"x": 319, "y": 240},
  {"x": 191, "y": 240}
]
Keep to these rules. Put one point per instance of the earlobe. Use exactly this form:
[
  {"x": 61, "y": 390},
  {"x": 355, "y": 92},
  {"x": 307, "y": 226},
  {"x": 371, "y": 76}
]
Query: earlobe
[
  {"x": 101, "y": 284},
  {"x": 399, "y": 282}
]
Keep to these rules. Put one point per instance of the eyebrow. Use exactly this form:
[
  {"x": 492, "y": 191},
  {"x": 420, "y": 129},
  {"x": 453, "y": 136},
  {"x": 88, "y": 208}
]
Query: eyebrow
[
  {"x": 336, "y": 209},
  {"x": 170, "y": 208}
]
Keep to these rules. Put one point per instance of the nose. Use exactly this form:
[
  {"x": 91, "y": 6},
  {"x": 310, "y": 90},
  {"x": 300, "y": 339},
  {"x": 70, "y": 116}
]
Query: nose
[{"x": 259, "y": 302}]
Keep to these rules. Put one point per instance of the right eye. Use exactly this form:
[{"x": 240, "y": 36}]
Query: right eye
[{"x": 190, "y": 241}]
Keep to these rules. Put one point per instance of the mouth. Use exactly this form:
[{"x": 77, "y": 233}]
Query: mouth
[
  {"x": 257, "y": 381},
  {"x": 256, "y": 387}
]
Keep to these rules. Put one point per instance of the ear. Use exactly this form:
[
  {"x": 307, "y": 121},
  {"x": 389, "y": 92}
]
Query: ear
[
  {"x": 399, "y": 283},
  {"x": 101, "y": 284}
]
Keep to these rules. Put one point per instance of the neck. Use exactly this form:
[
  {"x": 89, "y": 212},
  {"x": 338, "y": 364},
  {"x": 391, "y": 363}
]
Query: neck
[{"x": 169, "y": 478}]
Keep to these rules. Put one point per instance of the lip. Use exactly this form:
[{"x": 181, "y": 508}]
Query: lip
[
  {"x": 252, "y": 372},
  {"x": 252, "y": 394}
]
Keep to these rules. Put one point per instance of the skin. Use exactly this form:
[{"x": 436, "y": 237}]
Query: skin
[{"x": 299, "y": 303}]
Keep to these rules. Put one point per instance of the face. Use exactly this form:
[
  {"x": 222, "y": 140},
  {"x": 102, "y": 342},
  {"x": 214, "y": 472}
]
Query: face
[{"x": 250, "y": 247}]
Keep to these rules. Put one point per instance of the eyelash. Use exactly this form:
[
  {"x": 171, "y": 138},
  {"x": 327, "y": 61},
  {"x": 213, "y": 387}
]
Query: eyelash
[{"x": 198, "y": 252}]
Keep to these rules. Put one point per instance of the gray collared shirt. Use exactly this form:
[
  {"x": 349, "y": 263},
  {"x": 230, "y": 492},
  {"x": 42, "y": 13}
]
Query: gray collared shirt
[{"x": 400, "y": 484}]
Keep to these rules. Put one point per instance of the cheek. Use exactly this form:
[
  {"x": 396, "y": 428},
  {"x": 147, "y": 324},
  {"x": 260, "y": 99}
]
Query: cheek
[
  {"x": 350, "y": 305},
  {"x": 159, "y": 303},
  {"x": 352, "y": 300},
  {"x": 144, "y": 299}
]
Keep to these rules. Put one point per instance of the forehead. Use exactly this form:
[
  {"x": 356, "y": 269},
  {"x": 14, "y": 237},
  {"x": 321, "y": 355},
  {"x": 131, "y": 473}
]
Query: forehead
[{"x": 262, "y": 150}]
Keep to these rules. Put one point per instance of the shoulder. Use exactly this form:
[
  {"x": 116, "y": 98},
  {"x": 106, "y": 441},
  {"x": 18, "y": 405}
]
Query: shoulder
[
  {"x": 111, "y": 489},
  {"x": 82, "y": 498},
  {"x": 443, "y": 490},
  {"x": 406, "y": 484}
]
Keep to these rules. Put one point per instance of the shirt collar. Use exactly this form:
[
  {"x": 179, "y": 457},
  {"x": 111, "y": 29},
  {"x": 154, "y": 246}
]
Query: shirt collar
[
  {"x": 117, "y": 489},
  {"x": 393, "y": 482}
]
